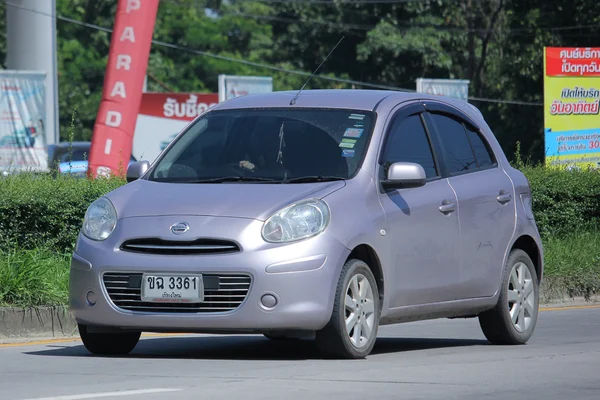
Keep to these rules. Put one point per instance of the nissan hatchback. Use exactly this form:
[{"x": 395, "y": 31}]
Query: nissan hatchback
[{"x": 323, "y": 214}]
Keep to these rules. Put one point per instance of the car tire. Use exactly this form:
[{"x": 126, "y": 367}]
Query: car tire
[
  {"x": 335, "y": 339},
  {"x": 512, "y": 321},
  {"x": 108, "y": 343}
]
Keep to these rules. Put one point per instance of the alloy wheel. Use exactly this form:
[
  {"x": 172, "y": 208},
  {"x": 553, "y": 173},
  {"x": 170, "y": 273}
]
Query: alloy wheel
[
  {"x": 521, "y": 298},
  {"x": 359, "y": 311}
]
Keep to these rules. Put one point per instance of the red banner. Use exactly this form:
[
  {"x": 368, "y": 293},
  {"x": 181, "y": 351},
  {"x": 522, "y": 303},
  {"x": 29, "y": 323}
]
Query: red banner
[
  {"x": 572, "y": 61},
  {"x": 180, "y": 106},
  {"x": 123, "y": 84}
]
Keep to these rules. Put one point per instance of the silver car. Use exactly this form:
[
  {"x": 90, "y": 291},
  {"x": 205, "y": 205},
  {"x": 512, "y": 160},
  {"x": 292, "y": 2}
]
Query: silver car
[{"x": 323, "y": 215}]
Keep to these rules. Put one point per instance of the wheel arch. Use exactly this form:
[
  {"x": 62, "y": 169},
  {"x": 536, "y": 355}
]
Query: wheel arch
[
  {"x": 369, "y": 256},
  {"x": 530, "y": 246}
]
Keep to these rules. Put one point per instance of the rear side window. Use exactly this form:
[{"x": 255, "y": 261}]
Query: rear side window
[
  {"x": 482, "y": 151},
  {"x": 408, "y": 142},
  {"x": 455, "y": 144}
]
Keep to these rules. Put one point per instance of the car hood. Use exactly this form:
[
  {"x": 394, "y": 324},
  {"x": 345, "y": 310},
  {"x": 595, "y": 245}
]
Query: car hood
[{"x": 144, "y": 198}]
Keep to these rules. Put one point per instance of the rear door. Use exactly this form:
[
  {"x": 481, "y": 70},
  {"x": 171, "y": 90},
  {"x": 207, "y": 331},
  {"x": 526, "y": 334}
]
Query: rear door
[{"x": 486, "y": 210}]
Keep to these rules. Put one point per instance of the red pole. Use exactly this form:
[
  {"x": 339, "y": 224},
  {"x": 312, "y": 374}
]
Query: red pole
[{"x": 129, "y": 51}]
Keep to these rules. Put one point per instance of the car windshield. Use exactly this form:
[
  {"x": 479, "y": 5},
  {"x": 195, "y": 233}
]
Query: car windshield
[{"x": 268, "y": 145}]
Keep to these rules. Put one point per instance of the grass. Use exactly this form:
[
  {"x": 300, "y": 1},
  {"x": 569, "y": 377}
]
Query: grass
[
  {"x": 572, "y": 264},
  {"x": 37, "y": 277},
  {"x": 40, "y": 277}
]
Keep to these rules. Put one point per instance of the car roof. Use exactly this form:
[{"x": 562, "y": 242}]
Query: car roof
[
  {"x": 329, "y": 98},
  {"x": 65, "y": 145},
  {"x": 356, "y": 99}
]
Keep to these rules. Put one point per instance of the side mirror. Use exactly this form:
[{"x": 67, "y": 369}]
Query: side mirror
[
  {"x": 136, "y": 170},
  {"x": 404, "y": 175}
]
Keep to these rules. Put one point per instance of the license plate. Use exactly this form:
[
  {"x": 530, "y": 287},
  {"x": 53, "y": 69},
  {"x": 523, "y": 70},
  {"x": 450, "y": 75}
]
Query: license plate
[{"x": 172, "y": 288}]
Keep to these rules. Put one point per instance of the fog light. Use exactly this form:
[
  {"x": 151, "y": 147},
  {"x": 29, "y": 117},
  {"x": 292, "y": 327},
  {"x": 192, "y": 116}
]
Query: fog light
[
  {"x": 91, "y": 298},
  {"x": 268, "y": 300}
]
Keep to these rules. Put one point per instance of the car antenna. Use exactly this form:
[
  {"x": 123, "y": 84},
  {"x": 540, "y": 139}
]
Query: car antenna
[{"x": 293, "y": 101}]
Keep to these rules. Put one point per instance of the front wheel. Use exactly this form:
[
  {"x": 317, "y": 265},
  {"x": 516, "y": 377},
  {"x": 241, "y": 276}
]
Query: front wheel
[
  {"x": 514, "y": 318},
  {"x": 109, "y": 343},
  {"x": 352, "y": 329}
]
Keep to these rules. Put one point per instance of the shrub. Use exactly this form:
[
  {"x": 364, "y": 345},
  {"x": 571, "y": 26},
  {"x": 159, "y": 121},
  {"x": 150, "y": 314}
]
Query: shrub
[
  {"x": 564, "y": 201},
  {"x": 42, "y": 211}
]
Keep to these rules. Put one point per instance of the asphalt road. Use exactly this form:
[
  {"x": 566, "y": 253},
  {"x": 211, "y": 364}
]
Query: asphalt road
[{"x": 443, "y": 359}]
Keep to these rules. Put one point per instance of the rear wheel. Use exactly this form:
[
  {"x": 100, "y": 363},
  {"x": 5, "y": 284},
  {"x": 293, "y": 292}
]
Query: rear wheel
[
  {"x": 108, "y": 343},
  {"x": 352, "y": 329},
  {"x": 514, "y": 318}
]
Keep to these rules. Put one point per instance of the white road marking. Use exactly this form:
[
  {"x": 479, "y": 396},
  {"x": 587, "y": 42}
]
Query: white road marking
[{"x": 107, "y": 394}]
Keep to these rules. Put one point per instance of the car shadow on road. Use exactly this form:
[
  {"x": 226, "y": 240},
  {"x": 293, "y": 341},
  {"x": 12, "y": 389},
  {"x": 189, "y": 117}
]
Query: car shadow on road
[{"x": 251, "y": 348}]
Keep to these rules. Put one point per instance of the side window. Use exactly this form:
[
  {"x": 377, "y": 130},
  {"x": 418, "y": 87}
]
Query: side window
[
  {"x": 408, "y": 142},
  {"x": 482, "y": 151},
  {"x": 455, "y": 144}
]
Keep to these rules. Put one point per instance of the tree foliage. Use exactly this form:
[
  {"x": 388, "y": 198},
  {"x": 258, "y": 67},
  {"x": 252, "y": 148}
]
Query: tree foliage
[{"x": 496, "y": 44}]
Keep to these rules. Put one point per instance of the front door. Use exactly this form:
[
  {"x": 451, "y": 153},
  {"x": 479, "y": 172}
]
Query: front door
[{"x": 423, "y": 226}]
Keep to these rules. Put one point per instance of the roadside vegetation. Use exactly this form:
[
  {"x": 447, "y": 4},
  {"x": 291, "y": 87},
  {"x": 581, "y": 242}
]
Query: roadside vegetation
[{"x": 40, "y": 217}]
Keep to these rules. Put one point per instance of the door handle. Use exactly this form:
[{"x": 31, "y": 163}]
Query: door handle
[
  {"x": 504, "y": 197},
  {"x": 447, "y": 207}
]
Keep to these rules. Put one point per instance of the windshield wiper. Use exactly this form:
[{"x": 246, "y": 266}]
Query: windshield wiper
[
  {"x": 233, "y": 179},
  {"x": 316, "y": 178}
]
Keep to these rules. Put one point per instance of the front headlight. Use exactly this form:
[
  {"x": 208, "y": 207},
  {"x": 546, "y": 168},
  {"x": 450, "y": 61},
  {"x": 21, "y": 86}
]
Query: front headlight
[
  {"x": 298, "y": 221},
  {"x": 100, "y": 220}
]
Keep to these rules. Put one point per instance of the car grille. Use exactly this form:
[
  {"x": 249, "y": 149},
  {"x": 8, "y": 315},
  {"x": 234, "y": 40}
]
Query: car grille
[
  {"x": 222, "y": 293},
  {"x": 179, "y": 247}
]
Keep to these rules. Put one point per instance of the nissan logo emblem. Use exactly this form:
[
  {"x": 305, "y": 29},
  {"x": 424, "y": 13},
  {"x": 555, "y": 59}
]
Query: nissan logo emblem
[{"x": 180, "y": 228}]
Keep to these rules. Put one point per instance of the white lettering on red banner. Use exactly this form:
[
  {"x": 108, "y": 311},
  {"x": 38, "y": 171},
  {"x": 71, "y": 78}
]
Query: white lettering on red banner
[
  {"x": 113, "y": 118},
  {"x": 124, "y": 61},
  {"x": 128, "y": 34},
  {"x": 133, "y": 5},
  {"x": 190, "y": 109},
  {"x": 118, "y": 90},
  {"x": 129, "y": 50}
]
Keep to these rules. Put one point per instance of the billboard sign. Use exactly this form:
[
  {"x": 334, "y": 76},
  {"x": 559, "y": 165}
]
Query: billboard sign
[
  {"x": 571, "y": 107},
  {"x": 456, "y": 88},
  {"x": 231, "y": 86},
  {"x": 23, "y": 140},
  {"x": 162, "y": 116}
]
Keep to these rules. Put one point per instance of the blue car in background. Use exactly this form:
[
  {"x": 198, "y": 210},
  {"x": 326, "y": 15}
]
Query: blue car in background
[{"x": 71, "y": 158}]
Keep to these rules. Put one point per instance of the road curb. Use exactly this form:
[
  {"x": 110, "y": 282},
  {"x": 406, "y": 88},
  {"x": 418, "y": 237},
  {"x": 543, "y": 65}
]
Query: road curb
[
  {"x": 53, "y": 322},
  {"x": 58, "y": 322}
]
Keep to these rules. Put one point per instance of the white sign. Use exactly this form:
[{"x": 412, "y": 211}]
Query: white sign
[
  {"x": 23, "y": 141},
  {"x": 172, "y": 288},
  {"x": 457, "y": 88},
  {"x": 162, "y": 116},
  {"x": 231, "y": 86}
]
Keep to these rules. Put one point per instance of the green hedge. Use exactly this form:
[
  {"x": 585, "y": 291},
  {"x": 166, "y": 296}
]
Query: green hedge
[
  {"x": 47, "y": 212},
  {"x": 41, "y": 211},
  {"x": 564, "y": 202}
]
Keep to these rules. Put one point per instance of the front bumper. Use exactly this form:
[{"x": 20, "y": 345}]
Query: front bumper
[{"x": 301, "y": 276}]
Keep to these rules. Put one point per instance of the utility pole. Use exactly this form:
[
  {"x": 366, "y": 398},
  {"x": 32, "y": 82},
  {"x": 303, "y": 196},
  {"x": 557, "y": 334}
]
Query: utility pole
[{"x": 31, "y": 46}]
